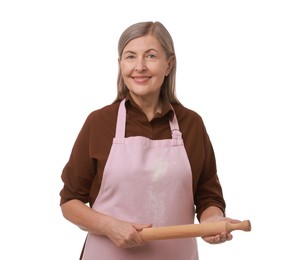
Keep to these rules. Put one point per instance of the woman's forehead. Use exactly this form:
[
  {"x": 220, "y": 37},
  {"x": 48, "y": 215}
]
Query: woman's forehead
[{"x": 143, "y": 43}]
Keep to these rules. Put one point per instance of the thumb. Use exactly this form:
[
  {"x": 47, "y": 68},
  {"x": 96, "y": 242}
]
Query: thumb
[
  {"x": 232, "y": 220},
  {"x": 140, "y": 227}
]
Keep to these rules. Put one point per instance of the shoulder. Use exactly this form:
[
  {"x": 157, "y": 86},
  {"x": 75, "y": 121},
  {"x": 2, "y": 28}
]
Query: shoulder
[
  {"x": 190, "y": 122},
  {"x": 102, "y": 119},
  {"x": 110, "y": 109},
  {"x": 104, "y": 112},
  {"x": 183, "y": 113}
]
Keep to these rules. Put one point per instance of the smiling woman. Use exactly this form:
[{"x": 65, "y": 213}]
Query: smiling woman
[
  {"x": 145, "y": 160},
  {"x": 164, "y": 46}
]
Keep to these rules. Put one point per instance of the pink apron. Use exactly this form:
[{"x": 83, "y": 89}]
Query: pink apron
[{"x": 145, "y": 181}]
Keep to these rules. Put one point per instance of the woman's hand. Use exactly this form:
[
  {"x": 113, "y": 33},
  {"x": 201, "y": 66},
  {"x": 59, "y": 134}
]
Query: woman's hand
[
  {"x": 213, "y": 214},
  {"x": 125, "y": 234},
  {"x": 220, "y": 238}
]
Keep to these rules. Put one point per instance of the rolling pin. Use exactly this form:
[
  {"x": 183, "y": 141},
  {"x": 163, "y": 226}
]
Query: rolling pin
[{"x": 193, "y": 230}]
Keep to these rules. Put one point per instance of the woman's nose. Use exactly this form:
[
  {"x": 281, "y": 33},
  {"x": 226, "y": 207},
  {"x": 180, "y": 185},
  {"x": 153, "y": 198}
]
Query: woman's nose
[{"x": 140, "y": 65}]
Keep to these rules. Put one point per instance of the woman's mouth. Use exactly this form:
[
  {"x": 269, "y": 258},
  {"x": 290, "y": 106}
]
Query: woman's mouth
[{"x": 141, "y": 79}]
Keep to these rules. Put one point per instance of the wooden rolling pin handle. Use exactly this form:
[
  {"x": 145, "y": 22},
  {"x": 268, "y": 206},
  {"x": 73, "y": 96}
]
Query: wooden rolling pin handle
[
  {"x": 244, "y": 226},
  {"x": 193, "y": 230}
]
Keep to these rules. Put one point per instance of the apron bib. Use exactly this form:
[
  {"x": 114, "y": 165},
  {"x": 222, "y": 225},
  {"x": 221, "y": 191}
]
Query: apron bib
[{"x": 145, "y": 181}]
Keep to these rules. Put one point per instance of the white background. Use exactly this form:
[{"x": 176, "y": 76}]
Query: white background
[{"x": 58, "y": 62}]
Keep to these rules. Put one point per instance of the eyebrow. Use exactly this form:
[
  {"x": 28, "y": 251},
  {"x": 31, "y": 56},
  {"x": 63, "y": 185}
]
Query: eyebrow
[{"x": 149, "y": 50}]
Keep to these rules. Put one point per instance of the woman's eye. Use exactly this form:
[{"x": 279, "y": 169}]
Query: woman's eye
[
  {"x": 151, "y": 56},
  {"x": 130, "y": 57}
]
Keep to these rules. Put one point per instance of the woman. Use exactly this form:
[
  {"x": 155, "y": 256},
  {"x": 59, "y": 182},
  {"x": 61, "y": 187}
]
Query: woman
[{"x": 142, "y": 161}]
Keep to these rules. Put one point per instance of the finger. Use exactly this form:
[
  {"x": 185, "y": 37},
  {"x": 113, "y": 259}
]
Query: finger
[
  {"x": 217, "y": 239},
  {"x": 228, "y": 237},
  {"x": 223, "y": 238}
]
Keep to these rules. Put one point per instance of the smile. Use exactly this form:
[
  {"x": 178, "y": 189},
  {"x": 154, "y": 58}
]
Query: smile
[{"x": 141, "y": 79}]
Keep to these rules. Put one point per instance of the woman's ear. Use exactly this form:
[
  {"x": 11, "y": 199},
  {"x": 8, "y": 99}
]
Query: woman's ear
[{"x": 171, "y": 63}]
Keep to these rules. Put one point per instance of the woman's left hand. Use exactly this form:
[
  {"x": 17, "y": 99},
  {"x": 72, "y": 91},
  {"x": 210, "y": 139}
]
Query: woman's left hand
[{"x": 224, "y": 236}]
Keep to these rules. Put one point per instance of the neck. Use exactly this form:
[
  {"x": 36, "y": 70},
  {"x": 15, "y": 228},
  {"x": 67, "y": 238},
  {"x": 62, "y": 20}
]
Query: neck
[
  {"x": 149, "y": 106},
  {"x": 152, "y": 110}
]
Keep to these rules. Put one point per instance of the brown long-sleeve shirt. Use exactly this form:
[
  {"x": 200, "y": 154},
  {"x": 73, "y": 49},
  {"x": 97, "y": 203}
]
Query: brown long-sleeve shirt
[{"x": 82, "y": 175}]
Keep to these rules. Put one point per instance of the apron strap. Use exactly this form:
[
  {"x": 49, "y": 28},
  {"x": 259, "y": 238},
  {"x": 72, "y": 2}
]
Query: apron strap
[
  {"x": 121, "y": 120},
  {"x": 175, "y": 130}
]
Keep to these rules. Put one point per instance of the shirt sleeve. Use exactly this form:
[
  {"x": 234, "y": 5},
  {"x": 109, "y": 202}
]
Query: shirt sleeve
[
  {"x": 208, "y": 191},
  {"x": 80, "y": 170}
]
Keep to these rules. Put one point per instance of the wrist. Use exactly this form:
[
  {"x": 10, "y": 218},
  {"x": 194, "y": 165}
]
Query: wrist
[{"x": 212, "y": 213}]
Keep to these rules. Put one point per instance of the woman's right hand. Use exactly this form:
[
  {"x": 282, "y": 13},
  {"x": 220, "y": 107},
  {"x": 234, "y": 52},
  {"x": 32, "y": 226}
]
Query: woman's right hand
[{"x": 125, "y": 234}]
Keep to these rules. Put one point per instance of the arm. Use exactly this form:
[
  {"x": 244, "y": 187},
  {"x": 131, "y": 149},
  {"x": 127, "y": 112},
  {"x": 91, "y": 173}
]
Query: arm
[{"x": 123, "y": 234}]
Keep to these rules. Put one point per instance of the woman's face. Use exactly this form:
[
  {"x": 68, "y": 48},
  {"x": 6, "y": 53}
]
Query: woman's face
[{"x": 143, "y": 66}]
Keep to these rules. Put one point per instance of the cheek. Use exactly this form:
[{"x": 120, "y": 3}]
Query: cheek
[
  {"x": 160, "y": 69},
  {"x": 126, "y": 69}
]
